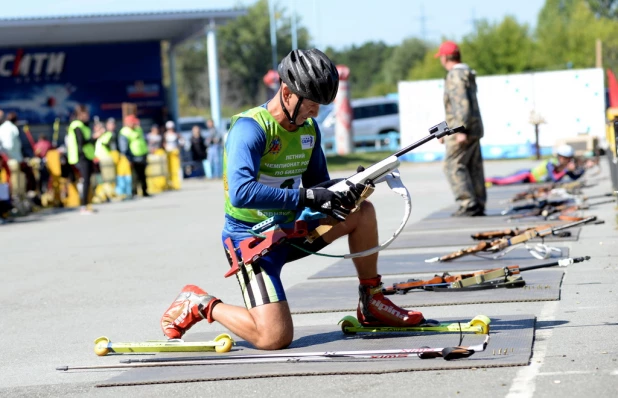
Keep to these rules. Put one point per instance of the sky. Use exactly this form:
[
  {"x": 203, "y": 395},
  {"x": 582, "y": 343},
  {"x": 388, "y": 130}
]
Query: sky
[{"x": 335, "y": 23}]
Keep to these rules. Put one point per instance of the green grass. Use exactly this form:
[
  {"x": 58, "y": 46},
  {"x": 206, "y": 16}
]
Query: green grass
[{"x": 351, "y": 162}]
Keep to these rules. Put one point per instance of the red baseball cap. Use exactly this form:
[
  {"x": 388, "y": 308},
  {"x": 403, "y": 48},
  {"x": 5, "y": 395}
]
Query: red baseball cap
[
  {"x": 131, "y": 119},
  {"x": 447, "y": 48}
]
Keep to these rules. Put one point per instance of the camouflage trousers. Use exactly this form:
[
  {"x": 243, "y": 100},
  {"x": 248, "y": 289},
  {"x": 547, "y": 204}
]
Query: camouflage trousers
[{"x": 463, "y": 166}]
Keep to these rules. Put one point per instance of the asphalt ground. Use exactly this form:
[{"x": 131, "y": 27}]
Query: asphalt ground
[{"x": 66, "y": 279}]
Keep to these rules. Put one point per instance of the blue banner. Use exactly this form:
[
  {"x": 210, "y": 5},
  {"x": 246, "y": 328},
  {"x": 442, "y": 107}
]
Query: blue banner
[{"x": 45, "y": 83}]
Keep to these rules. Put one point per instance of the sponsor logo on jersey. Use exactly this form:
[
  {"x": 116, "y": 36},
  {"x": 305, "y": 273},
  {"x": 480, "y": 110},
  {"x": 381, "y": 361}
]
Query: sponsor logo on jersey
[
  {"x": 307, "y": 141},
  {"x": 275, "y": 146}
]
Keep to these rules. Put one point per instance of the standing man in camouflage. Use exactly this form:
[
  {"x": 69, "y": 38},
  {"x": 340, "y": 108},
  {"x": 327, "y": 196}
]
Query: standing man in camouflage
[{"x": 463, "y": 163}]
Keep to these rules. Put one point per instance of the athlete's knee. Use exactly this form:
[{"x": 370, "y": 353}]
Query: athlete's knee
[
  {"x": 272, "y": 340},
  {"x": 365, "y": 214},
  {"x": 367, "y": 208},
  {"x": 274, "y": 328}
]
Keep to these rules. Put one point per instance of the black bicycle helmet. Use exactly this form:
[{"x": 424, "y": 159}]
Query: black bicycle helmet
[{"x": 310, "y": 74}]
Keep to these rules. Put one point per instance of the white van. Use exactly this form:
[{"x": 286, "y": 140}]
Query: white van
[{"x": 372, "y": 116}]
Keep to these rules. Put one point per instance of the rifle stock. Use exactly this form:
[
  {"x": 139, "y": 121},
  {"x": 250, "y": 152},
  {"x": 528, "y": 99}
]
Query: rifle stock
[
  {"x": 501, "y": 244},
  {"x": 495, "y": 234},
  {"x": 464, "y": 279}
]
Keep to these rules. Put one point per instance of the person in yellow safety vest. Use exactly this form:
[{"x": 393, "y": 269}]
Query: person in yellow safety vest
[
  {"x": 80, "y": 152},
  {"x": 138, "y": 149},
  {"x": 103, "y": 146},
  {"x": 550, "y": 170}
]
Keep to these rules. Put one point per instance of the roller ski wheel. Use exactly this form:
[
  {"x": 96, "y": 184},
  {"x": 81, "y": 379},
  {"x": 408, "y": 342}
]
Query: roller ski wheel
[
  {"x": 227, "y": 343},
  {"x": 100, "y": 346},
  {"x": 478, "y": 325},
  {"x": 481, "y": 321},
  {"x": 349, "y": 324},
  {"x": 222, "y": 343}
]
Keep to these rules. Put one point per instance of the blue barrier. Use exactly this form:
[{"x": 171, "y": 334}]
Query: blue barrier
[{"x": 388, "y": 142}]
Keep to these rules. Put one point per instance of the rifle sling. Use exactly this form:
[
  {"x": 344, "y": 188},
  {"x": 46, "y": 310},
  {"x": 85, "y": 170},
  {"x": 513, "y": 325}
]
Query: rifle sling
[{"x": 480, "y": 278}]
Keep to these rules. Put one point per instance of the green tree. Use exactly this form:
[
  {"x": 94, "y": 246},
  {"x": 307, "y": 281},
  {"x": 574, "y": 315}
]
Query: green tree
[
  {"x": 604, "y": 8},
  {"x": 566, "y": 34},
  {"x": 192, "y": 75},
  {"x": 245, "y": 49},
  {"x": 500, "y": 48},
  {"x": 405, "y": 56},
  {"x": 428, "y": 68},
  {"x": 365, "y": 62}
]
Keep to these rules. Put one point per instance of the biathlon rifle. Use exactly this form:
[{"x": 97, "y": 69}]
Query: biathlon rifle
[
  {"x": 572, "y": 187},
  {"x": 375, "y": 173},
  {"x": 491, "y": 277},
  {"x": 562, "y": 210},
  {"x": 495, "y": 246},
  {"x": 536, "y": 205},
  {"x": 270, "y": 233}
]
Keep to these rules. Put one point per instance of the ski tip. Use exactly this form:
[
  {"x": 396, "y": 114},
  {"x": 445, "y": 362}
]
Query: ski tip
[
  {"x": 433, "y": 260},
  {"x": 62, "y": 368}
]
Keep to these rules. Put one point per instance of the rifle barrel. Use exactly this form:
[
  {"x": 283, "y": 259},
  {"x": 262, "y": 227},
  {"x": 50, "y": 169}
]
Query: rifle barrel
[
  {"x": 437, "y": 131},
  {"x": 574, "y": 224},
  {"x": 554, "y": 263}
]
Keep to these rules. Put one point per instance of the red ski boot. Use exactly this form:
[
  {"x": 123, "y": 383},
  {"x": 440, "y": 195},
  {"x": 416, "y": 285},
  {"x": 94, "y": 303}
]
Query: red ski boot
[
  {"x": 191, "y": 306},
  {"x": 376, "y": 310}
]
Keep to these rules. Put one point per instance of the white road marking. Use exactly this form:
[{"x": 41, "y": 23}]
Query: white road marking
[{"x": 524, "y": 382}]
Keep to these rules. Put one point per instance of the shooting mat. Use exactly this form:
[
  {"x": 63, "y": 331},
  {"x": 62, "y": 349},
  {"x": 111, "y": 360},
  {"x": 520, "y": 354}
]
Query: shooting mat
[
  {"x": 415, "y": 240},
  {"x": 415, "y": 263},
  {"x": 513, "y": 331},
  {"x": 342, "y": 295}
]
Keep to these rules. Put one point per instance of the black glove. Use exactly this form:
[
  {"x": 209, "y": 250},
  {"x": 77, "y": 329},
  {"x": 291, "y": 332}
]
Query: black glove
[{"x": 334, "y": 204}]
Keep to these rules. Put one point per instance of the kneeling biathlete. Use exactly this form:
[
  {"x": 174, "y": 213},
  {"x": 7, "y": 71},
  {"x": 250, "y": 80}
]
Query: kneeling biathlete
[{"x": 270, "y": 149}]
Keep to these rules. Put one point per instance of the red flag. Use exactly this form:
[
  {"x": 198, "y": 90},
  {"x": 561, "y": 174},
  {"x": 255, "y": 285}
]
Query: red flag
[{"x": 612, "y": 85}]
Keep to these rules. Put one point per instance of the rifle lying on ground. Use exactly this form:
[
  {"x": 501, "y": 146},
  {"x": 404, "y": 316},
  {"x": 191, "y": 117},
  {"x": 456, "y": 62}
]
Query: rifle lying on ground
[
  {"x": 507, "y": 277},
  {"x": 272, "y": 232},
  {"x": 573, "y": 187},
  {"x": 558, "y": 209},
  {"x": 499, "y": 245}
]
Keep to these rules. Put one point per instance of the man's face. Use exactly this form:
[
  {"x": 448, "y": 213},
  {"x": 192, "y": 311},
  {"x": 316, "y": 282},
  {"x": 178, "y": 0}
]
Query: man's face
[
  {"x": 110, "y": 126},
  {"x": 564, "y": 160},
  {"x": 443, "y": 61},
  {"x": 308, "y": 109}
]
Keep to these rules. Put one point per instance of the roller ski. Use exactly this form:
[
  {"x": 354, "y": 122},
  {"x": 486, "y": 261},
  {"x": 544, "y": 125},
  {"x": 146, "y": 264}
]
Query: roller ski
[
  {"x": 447, "y": 353},
  {"x": 221, "y": 343},
  {"x": 479, "y": 325}
]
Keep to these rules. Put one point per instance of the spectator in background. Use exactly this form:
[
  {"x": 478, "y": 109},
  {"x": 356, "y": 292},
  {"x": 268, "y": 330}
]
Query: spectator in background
[
  {"x": 198, "y": 147},
  {"x": 463, "y": 163},
  {"x": 42, "y": 146},
  {"x": 171, "y": 139},
  {"x": 154, "y": 139},
  {"x": 104, "y": 144},
  {"x": 139, "y": 151},
  {"x": 214, "y": 152},
  {"x": 1, "y": 116},
  {"x": 5, "y": 190},
  {"x": 10, "y": 141},
  {"x": 80, "y": 152}
]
